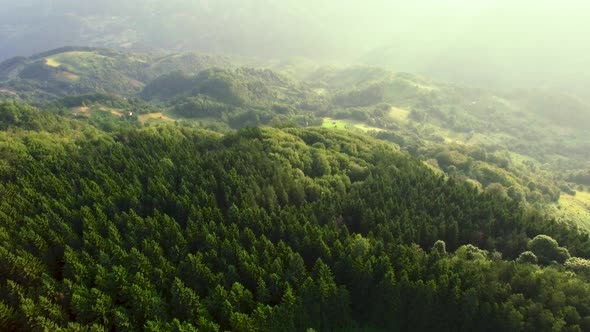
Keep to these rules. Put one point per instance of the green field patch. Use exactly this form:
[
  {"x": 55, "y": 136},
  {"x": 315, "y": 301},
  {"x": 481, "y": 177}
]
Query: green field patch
[
  {"x": 346, "y": 124},
  {"x": 336, "y": 124},
  {"x": 365, "y": 127},
  {"x": 77, "y": 62},
  {"x": 87, "y": 111},
  {"x": 159, "y": 116},
  {"x": 574, "y": 208},
  {"x": 52, "y": 62}
]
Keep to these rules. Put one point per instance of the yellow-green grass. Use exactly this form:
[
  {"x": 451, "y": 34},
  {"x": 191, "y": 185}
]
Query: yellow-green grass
[
  {"x": 336, "y": 124},
  {"x": 86, "y": 111},
  {"x": 365, "y": 127},
  {"x": 399, "y": 114},
  {"x": 159, "y": 116},
  {"x": 52, "y": 62},
  {"x": 76, "y": 62},
  {"x": 574, "y": 208},
  {"x": 347, "y": 125}
]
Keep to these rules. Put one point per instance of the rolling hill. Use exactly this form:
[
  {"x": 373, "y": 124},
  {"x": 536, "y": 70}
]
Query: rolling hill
[
  {"x": 182, "y": 192},
  {"x": 169, "y": 227},
  {"x": 83, "y": 70},
  {"x": 526, "y": 145}
]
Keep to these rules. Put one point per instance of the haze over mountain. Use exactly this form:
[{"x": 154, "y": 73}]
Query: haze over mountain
[{"x": 499, "y": 44}]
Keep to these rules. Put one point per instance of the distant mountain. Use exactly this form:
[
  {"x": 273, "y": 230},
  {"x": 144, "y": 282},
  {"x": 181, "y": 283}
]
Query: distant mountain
[{"x": 81, "y": 70}]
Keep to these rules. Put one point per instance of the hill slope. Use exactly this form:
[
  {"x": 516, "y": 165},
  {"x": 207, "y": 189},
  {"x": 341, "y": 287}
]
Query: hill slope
[
  {"x": 166, "y": 227},
  {"x": 529, "y": 145},
  {"x": 80, "y": 70}
]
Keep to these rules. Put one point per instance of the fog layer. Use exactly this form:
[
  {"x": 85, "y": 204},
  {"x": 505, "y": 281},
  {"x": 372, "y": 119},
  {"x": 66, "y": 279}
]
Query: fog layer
[{"x": 501, "y": 44}]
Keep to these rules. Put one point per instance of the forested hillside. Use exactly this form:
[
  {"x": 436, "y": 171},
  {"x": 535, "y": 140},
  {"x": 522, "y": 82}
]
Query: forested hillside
[
  {"x": 529, "y": 145},
  {"x": 166, "y": 227},
  {"x": 184, "y": 192}
]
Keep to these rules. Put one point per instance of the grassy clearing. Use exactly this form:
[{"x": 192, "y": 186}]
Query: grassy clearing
[
  {"x": 52, "y": 62},
  {"x": 364, "y": 127},
  {"x": 143, "y": 118},
  {"x": 347, "y": 125},
  {"x": 84, "y": 110},
  {"x": 159, "y": 116},
  {"x": 336, "y": 124},
  {"x": 77, "y": 62},
  {"x": 399, "y": 114},
  {"x": 574, "y": 209},
  {"x": 87, "y": 111}
]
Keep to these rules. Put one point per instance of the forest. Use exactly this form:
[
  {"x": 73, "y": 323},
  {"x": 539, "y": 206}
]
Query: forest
[
  {"x": 190, "y": 192},
  {"x": 167, "y": 227}
]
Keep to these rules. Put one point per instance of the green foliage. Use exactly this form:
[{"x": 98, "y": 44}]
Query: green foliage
[
  {"x": 320, "y": 164},
  {"x": 580, "y": 176},
  {"x": 548, "y": 250},
  {"x": 168, "y": 227},
  {"x": 440, "y": 247},
  {"x": 578, "y": 265},
  {"x": 496, "y": 189},
  {"x": 201, "y": 106},
  {"x": 527, "y": 257},
  {"x": 168, "y": 86},
  {"x": 366, "y": 97},
  {"x": 237, "y": 87},
  {"x": 171, "y": 228}
]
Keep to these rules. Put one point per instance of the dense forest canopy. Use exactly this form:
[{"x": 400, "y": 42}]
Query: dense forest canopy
[{"x": 167, "y": 227}]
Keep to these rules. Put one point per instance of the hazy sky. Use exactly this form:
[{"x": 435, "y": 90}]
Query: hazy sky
[{"x": 499, "y": 43}]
